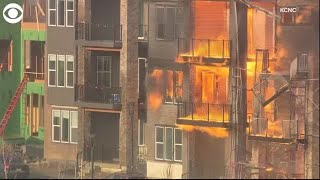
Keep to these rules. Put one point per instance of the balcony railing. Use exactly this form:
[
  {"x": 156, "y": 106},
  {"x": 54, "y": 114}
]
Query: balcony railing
[
  {"x": 98, "y": 32},
  {"x": 208, "y": 48},
  {"x": 143, "y": 32},
  {"x": 204, "y": 112},
  {"x": 37, "y": 71},
  {"x": 98, "y": 94}
]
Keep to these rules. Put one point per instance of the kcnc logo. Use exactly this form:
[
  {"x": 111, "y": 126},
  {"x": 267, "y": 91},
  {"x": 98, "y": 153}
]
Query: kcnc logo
[
  {"x": 11, "y": 13},
  {"x": 287, "y": 9}
]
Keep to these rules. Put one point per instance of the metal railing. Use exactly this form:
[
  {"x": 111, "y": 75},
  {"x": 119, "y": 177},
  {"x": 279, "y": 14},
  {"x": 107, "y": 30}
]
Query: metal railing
[
  {"x": 209, "y": 48},
  {"x": 98, "y": 32},
  {"x": 203, "y": 111},
  {"x": 100, "y": 94},
  {"x": 33, "y": 72},
  {"x": 143, "y": 32}
]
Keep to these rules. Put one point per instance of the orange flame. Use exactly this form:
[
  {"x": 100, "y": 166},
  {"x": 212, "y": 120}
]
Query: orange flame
[
  {"x": 155, "y": 97},
  {"x": 212, "y": 131}
]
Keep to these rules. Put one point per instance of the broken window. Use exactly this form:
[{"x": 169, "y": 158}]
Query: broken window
[
  {"x": 73, "y": 126},
  {"x": 6, "y": 55},
  {"x": 65, "y": 126},
  {"x": 61, "y": 70},
  {"x": 61, "y": 12},
  {"x": 56, "y": 126},
  {"x": 104, "y": 71},
  {"x": 168, "y": 143},
  {"x": 52, "y": 13},
  {"x": 69, "y": 72},
  {"x": 70, "y": 10},
  {"x": 52, "y": 70},
  {"x": 174, "y": 81}
]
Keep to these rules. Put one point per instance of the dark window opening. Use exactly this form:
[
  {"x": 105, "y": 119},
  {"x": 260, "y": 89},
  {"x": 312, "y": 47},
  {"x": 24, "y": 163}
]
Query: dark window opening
[
  {"x": 61, "y": 12},
  {"x": 34, "y": 11},
  {"x": 6, "y": 55},
  {"x": 34, "y": 60}
]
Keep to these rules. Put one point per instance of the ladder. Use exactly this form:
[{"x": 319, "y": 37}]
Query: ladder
[{"x": 13, "y": 104}]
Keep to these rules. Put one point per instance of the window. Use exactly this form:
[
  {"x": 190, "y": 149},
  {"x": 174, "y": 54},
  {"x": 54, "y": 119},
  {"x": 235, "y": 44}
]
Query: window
[
  {"x": 174, "y": 80},
  {"x": 52, "y": 70},
  {"x": 73, "y": 126},
  {"x": 177, "y": 144},
  {"x": 168, "y": 144},
  {"x": 169, "y": 22},
  {"x": 56, "y": 126},
  {"x": 52, "y": 13},
  {"x": 160, "y": 22},
  {"x": 61, "y": 12},
  {"x": 159, "y": 142},
  {"x": 69, "y": 72},
  {"x": 5, "y": 55},
  {"x": 141, "y": 133},
  {"x": 208, "y": 87},
  {"x": 61, "y": 70},
  {"x": 104, "y": 71},
  {"x": 65, "y": 126},
  {"x": 70, "y": 10}
]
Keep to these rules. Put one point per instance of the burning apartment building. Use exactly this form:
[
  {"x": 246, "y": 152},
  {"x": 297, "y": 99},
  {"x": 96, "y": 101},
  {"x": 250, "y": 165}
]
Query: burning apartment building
[{"x": 231, "y": 89}]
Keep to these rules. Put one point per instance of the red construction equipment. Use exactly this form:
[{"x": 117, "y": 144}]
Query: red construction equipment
[{"x": 13, "y": 104}]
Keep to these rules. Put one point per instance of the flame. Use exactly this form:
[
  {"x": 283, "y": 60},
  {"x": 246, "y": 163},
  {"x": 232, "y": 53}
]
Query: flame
[
  {"x": 211, "y": 131},
  {"x": 274, "y": 129},
  {"x": 155, "y": 97}
]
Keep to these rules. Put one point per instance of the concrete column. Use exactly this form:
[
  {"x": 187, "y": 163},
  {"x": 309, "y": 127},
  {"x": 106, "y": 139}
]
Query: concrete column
[{"x": 129, "y": 19}]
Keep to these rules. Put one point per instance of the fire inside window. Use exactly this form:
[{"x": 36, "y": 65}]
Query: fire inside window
[
  {"x": 5, "y": 55},
  {"x": 174, "y": 81},
  {"x": 208, "y": 87}
]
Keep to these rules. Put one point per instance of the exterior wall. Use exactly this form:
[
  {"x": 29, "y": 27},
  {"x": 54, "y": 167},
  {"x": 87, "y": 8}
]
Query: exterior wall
[
  {"x": 57, "y": 150},
  {"x": 64, "y": 45},
  {"x": 60, "y": 41},
  {"x": 129, "y": 83},
  {"x": 163, "y": 170}
]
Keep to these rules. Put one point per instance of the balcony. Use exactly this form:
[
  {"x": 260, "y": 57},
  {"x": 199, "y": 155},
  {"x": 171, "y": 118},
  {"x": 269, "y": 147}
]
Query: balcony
[
  {"x": 203, "y": 114},
  {"x": 36, "y": 73},
  {"x": 281, "y": 131},
  {"x": 99, "y": 35},
  {"x": 143, "y": 33},
  {"x": 299, "y": 67},
  {"x": 94, "y": 96},
  {"x": 203, "y": 51}
]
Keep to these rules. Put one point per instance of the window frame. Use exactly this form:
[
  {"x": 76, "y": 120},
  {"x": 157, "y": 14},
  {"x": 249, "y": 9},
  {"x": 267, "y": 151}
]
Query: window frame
[
  {"x": 73, "y": 126},
  {"x": 104, "y": 58},
  {"x": 165, "y": 143},
  {"x": 64, "y": 12},
  {"x": 52, "y": 70},
  {"x": 174, "y": 86},
  {"x": 143, "y": 133},
  {"x": 66, "y": 15},
  {"x": 64, "y": 70},
  {"x": 49, "y": 10},
  {"x": 53, "y": 125},
  {"x": 177, "y": 144},
  {"x": 163, "y": 138},
  {"x": 174, "y": 144},
  {"x": 69, "y": 58},
  {"x": 61, "y": 129}
]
